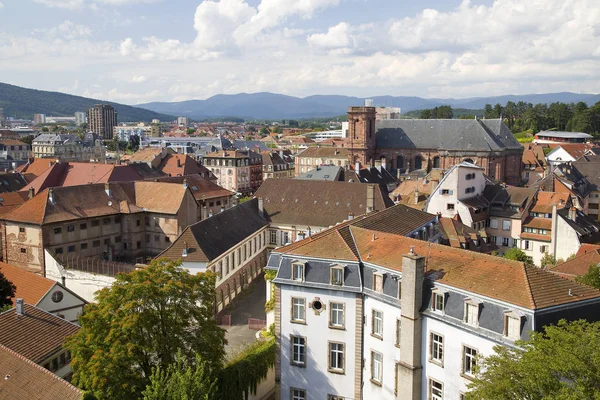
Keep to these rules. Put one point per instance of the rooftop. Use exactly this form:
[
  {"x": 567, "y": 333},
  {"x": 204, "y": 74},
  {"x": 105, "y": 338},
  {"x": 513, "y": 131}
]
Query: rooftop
[
  {"x": 31, "y": 287},
  {"x": 565, "y": 135},
  {"x": 326, "y": 152}
]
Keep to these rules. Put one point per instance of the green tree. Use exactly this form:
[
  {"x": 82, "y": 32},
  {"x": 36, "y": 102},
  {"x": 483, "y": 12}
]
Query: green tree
[
  {"x": 7, "y": 291},
  {"x": 548, "y": 260},
  {"x": 514, "y": 253},
  {"x": 134, "y": 143},
  {"x": 264, "y": 131},
  {"x": 27, "y": 139},
  {"x": 592, "y": 277},
  {"x": 488, "y": 111},
  {"x": 182, "y": 380},
  {"x": 45, "y": 129},
  {"x": 190, "y": 131},
  {"x": 557, "y": 364},
  {"x": 139, "y": 324}
]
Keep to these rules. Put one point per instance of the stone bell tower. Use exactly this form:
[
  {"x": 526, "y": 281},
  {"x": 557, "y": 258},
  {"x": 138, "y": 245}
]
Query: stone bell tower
[{"x": 361, "y": 135}]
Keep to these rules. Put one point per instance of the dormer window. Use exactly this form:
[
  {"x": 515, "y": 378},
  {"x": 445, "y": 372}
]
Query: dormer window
[
  {"x": 337, "y": 275},
  {"x": 378, "y": 283},
  {"x": 512, "y": 325},
  {"x": 298, "y": 272},
  {"x": 438, "y": 300},
  {"x": 472, "y": 312}
]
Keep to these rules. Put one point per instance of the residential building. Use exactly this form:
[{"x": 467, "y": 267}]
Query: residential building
[
  {"x": 24, "y": 379},
  {"x": 232, "y": 243},
  {"x": 589, "y": 167},
  {"x": 38, "y": 336},
  {"x": 39, "y": 119},
  {"x": 68, "y": 147},
  {"x": 297, "y": 209},
  {"x": 320, "y": 156},
  {"x": 183, "y": 121},
  {"x": 415, "y": 144},
  {"x": 236, "y": 170},
  {"x": 565, "y": 153},
  {"x": 116, "y": 221},
  {"x": 182, "y": 165},
  {"x": 11, "y": 182},
  {"x": 44, "y": 293},
  {"x": 535, "y": 166},
  {"x": 587, "y": 256},
  {"x": 125, "y": 132},
  {"x": 454, "y": 233},
  {"x": 378, "y": 175},
  {"x": 415, "y": 192},
  {"x": 365, "y": 313},
  {"x": 565, "y": 178},
  {"x": 547, "y": 137},
  {"x": 277, "y": 164},
  {"x": 11, "y": 149},
  {"x": 102, "y": 118},
  {"x": 80, "y": 118}
]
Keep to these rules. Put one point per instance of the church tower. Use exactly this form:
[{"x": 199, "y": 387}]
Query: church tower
[{"x": 361, "y": 135}]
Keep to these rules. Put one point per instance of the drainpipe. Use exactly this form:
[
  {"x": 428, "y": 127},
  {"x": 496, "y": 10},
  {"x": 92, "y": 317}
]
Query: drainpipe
[{"x": 554, "y": 233}]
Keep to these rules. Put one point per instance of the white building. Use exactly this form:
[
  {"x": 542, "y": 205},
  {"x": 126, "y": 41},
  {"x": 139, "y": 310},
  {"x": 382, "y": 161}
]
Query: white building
[
  {"x": 363, "y": 312},
  {"x": 80, "y": 118},
  {"x": 558, "y": 155}
]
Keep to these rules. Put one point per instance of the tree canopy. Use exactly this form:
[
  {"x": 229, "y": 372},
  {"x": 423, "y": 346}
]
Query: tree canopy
[
  {"x": 7, "y": 291},
  {"x": 514, "y": 253},
  {"x": 141, "y": 323},
  {"x": 592, "y": 277},
  {"x": 561, "y": 363}
]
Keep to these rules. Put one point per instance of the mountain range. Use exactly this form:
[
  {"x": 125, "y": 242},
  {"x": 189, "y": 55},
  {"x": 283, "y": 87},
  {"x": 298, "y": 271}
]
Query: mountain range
[
  {"x": 278, "y": 106},
  {"x": 20, "y": 102}
]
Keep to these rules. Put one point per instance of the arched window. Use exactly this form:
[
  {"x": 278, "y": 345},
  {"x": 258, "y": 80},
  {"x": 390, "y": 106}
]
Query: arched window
[
  {"x": 418, "y": 162},
  {"x": 436, "y": 162},
  {"x": 469, "y": 160},
  {"x": 400, "y": 162}
]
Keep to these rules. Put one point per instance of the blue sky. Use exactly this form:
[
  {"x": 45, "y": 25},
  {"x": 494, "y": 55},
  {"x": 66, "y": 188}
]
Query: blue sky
[{"x": 135, "y": 51}]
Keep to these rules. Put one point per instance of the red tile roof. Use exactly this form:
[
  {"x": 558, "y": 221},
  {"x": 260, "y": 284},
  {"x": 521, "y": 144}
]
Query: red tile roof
[
  {"x": 202, "y": 188},
  {"x": 182, "y": 164},
  {"x": 30, "y": 286},
  {"x": 579, "y": 265}
]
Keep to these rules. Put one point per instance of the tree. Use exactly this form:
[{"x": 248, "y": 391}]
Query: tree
[
  {"x": 190, "y": 131},
  {"x": 548, "y": 259},
  {"x": 517, "y": 254},
  {"x": 7, "y": 291},
  {"x": 182, "y": 380},
  {"x": 264, "y": 131},
  {"x": 139, "y": 324},
  {"x": 558, "y": 363},
  {"x": 592, "y": 277},
  {"x": 134, "y": 143}
]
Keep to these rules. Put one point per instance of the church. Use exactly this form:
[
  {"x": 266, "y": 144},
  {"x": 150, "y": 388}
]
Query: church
[{"x": 414, "y": 144}]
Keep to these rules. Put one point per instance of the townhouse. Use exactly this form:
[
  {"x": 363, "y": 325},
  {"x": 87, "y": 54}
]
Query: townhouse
[
  {"x": 236, "y": 170},
  {"x": 363, "y": 312}
]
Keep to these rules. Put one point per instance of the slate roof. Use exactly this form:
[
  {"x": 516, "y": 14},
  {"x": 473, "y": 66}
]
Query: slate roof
[
  {"x": 211, "y": 237},
  {"x": 316, "y": 203},
  {"x": 36, "y": 334},
  {"x": 446, "y": 134},
  {"x": 325, "y": 152},
  {"x": 324, "y": 173},
  {"x": 24, "y": 379},
  {"x": 11, "y": 182},
  {"x": 586, "y": 227},
  {"x": 399, "y": 220},
  {"x": 589, "y": 167}
]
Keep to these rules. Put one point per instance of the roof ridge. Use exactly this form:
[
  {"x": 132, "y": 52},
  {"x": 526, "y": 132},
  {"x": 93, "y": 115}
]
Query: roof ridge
[
  {"x": 354, "y": 251},
  {"x": 529, "y": 290}
]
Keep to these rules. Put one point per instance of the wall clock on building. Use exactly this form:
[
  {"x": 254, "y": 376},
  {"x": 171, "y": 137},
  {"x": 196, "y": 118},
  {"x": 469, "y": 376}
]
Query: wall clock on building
[{"x": 57, "y": 296}]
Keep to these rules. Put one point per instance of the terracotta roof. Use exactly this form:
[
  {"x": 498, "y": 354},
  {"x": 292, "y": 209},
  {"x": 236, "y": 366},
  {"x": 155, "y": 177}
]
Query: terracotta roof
[
  {"x": 36, "y": 167},
  {"x": 202, "y": 188},
  {"x": 535, "y": 236},
  {"x": 579, "y": 265},
  {"x": 538, "y": 223},
  {"x": 586, "y": 248},
  {"x": 24, "y": 379},
  {"x": 227, "y": 154},
  {"x": 11, "y": 201},
  {"x": 145, "y": 154},
  {"x": 399, "y": 220},
  {"x": 182, "y": 164},
  {"x": 36, "y": 334},
  {"x": 211, "y": 237},
  {"x": 12, "y": 142},
  {"x": 316, "y": 203},
  {"x": 30, "y": 286},
  {"x": 326, "y": 152},
  {"x": 457, "y": 234},
  {"x": 576, "y": 150},
  {"x": 545, "y": 201}
]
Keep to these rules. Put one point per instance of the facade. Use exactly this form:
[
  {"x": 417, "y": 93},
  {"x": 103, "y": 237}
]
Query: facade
[
  {"x": 80, "y": 118},
  {"x": 314, "y": 157},
  {"x": 236, "y": 170},
  {"x": 357, "y": 314},
  {"x": 102, "y": 119},
  {"x": 535, "y": 166},
  {"x": 124, "y": 132},
  {"x": 237, "y": 254},
  {"x": 277, "y": 164},
  {"x": 183, "y": 121},
  {"x": 11, "y": 149},
  {"x": 589, "y": 166},
  {"x": 67, "y": 147},
  {"x": 39, "y": 119},
  {"x": 117, "y": 221}
]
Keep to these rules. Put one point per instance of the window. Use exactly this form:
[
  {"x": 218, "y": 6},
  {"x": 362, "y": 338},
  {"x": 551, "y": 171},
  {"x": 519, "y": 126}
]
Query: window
[
  {"x": 526, "y": 245},
  {"x": 23, "y": 250},
  {"x": 70, "y": 228},
  {"x": 505, "y": 242},
  {"x": 298, "y": 394},
  {"x": 57, "y": 230},
  {"x": 493, "y": 223},
  {"x": 334, "y": 397},
  {"x": 71, "y": 249},
  {"x": 54, "y": 364},
  {"x": 472, "y": 313},
  {"x": 337, "y": 276},
  {"x": 106, "y": 221},
  {"x": 117, "y": 220},
  {"x": 96, "y": 243},
  {"x": 298, "y": 309},
  {"x": 445, "y": 191},
  {"x": 95, "y": 222},
  {"x": 298, "y": 350},
  {"x": 469, "y": 360},
  {"x": 58, "y": 250},
  {"x": 83, "y": 226},
  {"x": 107, "y": 242},
  {"x": 298, "y": 272},
  {"x": 542, "y": 249},
  {"x": 336, "y": 357},
  {"x": 515, "y": 243},
  {"x": 378, "y": 283},
  {"x": 156, "y": 238},
  {"x": 84, "y": 246},
  {"x": 118, "y": 239},
  {"x": 21, "y": 230},
  {"x": 436, "y": 390},
  {"x": 450, "y": 206},
  {"x": 336, "y": 315},
  {"x": 470, "y": 190},
  {"x": 436, "y": 348},
  {"x": 377, "y": 324},
  {"x": 398, "y": 331},
  {"x": 62, "y": 360},
  {"x": 376, "y": 367},
  {"x": 137, "y": 222},
  {"x": 505, "y": 224},
  {"x": 437, "y": 303},
  {"x": 512, "y": 326}
]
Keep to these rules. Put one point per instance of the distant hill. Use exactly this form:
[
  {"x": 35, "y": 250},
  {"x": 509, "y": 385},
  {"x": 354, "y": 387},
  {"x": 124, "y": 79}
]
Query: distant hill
[
  {"x": 277, "y": 106},
  {"x": 23, "y": 103}
]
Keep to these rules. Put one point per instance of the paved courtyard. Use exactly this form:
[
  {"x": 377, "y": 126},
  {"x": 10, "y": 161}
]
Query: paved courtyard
[{"x": 248, "y": 304}]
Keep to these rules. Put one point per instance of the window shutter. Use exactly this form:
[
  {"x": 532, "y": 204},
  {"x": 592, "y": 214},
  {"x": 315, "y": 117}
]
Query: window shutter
[
  {"x": 441, "y": 191},
  {"x": 450, "y": 192}
]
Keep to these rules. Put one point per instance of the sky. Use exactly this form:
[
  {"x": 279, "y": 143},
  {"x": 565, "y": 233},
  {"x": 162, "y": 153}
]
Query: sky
[{"x": 137, "y": 51}]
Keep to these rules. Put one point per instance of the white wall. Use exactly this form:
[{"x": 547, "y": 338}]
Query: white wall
[
  {"x": 567, "y": 242},
  {"x": 70, "y": 306},
  {"x": 450, "y": 373},
  {"x": 385, "y": 346},
  {"x": 315, "y": 378},
  {"x": 559, "y": 156}
]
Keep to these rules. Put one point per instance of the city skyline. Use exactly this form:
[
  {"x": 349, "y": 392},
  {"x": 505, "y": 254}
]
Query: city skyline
[{"x": 136, "y": 51}]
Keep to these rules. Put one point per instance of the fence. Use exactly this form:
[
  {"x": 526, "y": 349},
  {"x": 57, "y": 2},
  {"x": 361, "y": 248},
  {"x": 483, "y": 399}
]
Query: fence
[
  {"x": 93, "y": 265},
  {"x": 256, "y": 324}
]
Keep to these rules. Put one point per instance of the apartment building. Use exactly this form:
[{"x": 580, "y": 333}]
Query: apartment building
[
  {"x": 114, "y": 221},
  {"x": 362, "y": 312},
  {"x": 67, "y": 147},
  {"x": 102, "y": 118},
  {"x": 277, "y": 164},
  {"x": 232, "y": 243},
  {"x": 236, "y": 170},
  {"x": 319, "y": 156},
  {"x": 11, "y": 149}
]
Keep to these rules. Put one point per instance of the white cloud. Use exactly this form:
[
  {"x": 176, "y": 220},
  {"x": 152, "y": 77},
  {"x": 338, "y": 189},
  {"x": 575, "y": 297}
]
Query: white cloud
[
  {"x": 139, "y": 79},
  {"x": 93, "y": 4},
  {"x": 1, "y": 5},
  {"x": 336, "y": 37},
  {"x": 65, "y": 4},
  {"x": 70, "y": 30}
]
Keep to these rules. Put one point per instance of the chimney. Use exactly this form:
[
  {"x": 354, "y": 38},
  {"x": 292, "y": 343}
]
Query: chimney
[
  {"x": 416, "y": 196},
  {"x": 378, "y": 164},
  {"x": 350, "y": 216},
  {"x": 261, "y": 206},
  {"x": 210, "y": 213},
  {"x": 51, "y": 196},
  {"x": 410, "y": 367},
  {"x": 20, "y": 309},
  {"x": 31, "y": 193},
  {"x": 383, "y": 163},
  {"x": 357, "y": 167},
  {"x": 370, "y": 198},
  {"x": 185, "y": 182},
  {"x": 222, "y": 209},
  {"x": 107, "y": 190},
  {"x": 50, "y": 163},
  {"x": 572, "y": 213},
  {"x": 204, "y": 212}
]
